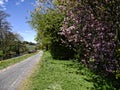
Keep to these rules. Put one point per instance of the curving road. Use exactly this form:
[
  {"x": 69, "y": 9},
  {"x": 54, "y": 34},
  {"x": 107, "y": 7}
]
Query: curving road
[{"x": 11, "y": 77}]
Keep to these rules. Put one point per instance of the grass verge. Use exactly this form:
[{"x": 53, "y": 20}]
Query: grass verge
[
  {"x": 8, "y": 62},
  {"x": 63, "y": 75}
]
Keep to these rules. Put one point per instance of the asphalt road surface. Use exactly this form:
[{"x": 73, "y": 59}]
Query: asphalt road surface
[{"x": 11, "y": 78}]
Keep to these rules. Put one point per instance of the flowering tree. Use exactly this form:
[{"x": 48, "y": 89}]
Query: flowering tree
[{"x": 94, "y": 27}]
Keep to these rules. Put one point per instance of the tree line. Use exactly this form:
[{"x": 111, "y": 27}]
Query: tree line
[
  {"x": 88, "y": 31},
  {"x": 11, "y": 44}
]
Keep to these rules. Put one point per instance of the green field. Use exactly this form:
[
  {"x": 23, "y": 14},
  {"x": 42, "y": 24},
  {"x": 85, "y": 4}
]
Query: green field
[
  {"x": 8, "y": 62},
  {"x": 63, "y": 75}
]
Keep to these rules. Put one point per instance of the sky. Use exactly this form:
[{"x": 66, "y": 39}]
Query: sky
[{"x": 19, "y": 11}]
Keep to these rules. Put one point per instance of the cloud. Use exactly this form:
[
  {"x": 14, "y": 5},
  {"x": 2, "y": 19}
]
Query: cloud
[
  {"x": 2, "y": 4},
  {"x": 6, "y": 0},
  {"x": 35, "y": 3},
  {"x": 28, "y": 31},
  {"x": 22, "y": 0},
  {"x": 4, "y": 7},
  {"x": 17, "y": 3}
]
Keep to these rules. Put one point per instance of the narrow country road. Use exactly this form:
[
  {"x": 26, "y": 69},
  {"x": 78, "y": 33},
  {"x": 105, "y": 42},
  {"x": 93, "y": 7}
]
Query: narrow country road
[{"x": 11, "y": 78}]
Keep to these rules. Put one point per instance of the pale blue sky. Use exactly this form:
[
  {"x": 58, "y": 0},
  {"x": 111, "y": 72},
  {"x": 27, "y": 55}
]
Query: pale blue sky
[{"x": 18, "y": 11}]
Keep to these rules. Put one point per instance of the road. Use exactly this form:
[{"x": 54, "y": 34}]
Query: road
[{"x": 11, "y": 78}]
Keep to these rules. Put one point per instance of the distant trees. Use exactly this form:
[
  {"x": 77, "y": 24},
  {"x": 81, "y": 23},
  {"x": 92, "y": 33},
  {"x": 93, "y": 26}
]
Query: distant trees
[
  {"x": 4, "y": 33},
  {"x": 10, "y": 44}
]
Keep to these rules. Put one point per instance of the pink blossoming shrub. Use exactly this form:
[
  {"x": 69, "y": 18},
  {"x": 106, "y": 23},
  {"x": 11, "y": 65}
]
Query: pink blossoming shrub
[{"x": 91, "y": 27}]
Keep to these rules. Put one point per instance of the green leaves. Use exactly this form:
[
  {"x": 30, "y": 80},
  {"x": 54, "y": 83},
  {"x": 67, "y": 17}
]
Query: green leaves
[{"x": 47, "y": 26}]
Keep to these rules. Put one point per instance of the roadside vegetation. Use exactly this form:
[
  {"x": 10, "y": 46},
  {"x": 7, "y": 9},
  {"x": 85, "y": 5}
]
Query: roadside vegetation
[
  {"x": 53, "y": 74},
  {"x": 82, "y": 30},
  {"x": 12, "y": 44},
  {"x": 8, "y": 62}
]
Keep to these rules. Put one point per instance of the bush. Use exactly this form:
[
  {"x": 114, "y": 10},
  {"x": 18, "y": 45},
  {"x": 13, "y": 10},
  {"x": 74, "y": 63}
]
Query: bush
[
  {"x": 1, "y": 53},
  {"x": 59, "y": 51}
]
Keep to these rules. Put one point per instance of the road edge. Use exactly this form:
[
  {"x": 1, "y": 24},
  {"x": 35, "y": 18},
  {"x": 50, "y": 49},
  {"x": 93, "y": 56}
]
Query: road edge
[
  {"x": 23, "y": 85},
  {"x": 4, "y": 69}
]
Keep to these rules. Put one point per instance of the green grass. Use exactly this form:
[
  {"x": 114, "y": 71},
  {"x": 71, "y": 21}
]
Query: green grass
[
  {"x": 63, "y": 75},
  {"x": 8, "y": 62}
]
